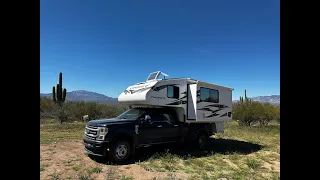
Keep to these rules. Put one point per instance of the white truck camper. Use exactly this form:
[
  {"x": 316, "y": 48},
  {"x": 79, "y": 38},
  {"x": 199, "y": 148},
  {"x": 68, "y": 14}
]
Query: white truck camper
[
  {"x": 194, "y": 101},
  {"x": 163, "y": 111}
]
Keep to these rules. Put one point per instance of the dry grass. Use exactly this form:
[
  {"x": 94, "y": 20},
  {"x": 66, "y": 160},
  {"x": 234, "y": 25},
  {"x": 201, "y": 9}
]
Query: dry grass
[
  {"x": 238, "y": 163},
  {"x": 53, "y": 133},
  {"x": 234, "y": 156}
]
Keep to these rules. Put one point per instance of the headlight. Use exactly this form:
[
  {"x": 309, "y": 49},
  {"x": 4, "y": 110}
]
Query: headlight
[{"x": 103, "y": 131}]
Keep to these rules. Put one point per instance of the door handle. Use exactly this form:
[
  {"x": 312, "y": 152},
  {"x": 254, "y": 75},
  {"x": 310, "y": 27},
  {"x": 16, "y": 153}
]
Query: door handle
[
  {"x": 160, "y": 126},
  {"x": 175, "y": 125}
]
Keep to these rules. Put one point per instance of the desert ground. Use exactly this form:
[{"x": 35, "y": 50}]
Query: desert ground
[{"x": 239, "y": 153}]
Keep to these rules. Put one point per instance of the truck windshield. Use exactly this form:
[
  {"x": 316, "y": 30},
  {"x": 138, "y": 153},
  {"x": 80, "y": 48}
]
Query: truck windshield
[{"x": 131, "y": 114}]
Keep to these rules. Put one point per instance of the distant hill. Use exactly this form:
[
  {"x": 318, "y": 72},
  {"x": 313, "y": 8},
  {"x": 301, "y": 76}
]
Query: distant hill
[
  {"x": 273, "y": 99},
  {"x": 82, "y": 95}
]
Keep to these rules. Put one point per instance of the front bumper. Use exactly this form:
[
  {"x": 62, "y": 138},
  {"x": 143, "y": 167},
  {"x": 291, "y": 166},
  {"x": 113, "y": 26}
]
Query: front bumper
[{"x": 96, "y": 148}]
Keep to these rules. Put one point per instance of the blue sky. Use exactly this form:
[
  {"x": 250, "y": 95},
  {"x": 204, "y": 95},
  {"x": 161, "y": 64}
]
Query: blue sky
[{"x": 105, "y": 46}]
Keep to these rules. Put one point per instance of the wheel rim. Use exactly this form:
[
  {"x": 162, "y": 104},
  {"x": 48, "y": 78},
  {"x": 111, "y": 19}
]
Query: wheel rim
[{"x": 121, "y": 151}]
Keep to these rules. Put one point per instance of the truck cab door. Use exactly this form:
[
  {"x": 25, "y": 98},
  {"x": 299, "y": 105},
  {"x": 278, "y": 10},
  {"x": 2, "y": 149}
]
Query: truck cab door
[
  {"x": 145, "y": 134},
  {"x": 169, "y": 128},
  {"x": 150, "y": 132}
]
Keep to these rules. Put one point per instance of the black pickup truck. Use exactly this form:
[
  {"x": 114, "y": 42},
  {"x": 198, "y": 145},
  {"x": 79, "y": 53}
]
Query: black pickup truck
[{"x": 141, "y": 127}]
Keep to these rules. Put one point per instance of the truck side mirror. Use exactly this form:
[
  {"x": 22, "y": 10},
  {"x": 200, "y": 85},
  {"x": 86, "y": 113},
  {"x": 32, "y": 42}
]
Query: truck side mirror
[{"x": 147, "y": 119}]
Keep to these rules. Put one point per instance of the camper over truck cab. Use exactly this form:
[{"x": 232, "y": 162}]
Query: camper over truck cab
[
  {"x": 167, "y": 110},
  {"x": 198, "y": 101}
]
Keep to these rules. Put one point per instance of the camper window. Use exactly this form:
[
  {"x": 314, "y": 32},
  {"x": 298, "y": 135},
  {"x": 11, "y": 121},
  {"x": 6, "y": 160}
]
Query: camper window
[
  {"x": 173, "y": 92},
  {"x": 209, "y": 95}
]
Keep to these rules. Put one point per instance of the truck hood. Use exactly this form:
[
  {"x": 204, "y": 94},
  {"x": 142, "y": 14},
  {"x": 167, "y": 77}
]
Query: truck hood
[{"x": 106, "y": 122}]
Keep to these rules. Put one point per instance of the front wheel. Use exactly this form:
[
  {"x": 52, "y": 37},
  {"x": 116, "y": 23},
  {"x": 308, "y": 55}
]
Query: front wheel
[
  {"x": 120, "y": 151},
  {"x": 202, "y": 141}
]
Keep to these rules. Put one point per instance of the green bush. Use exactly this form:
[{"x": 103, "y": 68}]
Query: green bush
[
  {"x": 74, "y": 110},
  {"x": 278, "y": 114},
  {"x": 248, "y": 112}
]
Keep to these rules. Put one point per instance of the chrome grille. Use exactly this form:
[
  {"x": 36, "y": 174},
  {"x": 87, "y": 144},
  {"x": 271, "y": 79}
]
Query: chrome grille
[
  {"x": 92, "y": 132},
  {"x": 91, "y": 127},
  {"x": 92, "y": 138}
]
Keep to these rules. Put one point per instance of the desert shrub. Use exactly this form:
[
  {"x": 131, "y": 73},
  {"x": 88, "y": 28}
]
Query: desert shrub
[
  {"x": 278, "y": 115},
  {"x": 244, "y": 113},
  {"x": 267, "y": 113},
  {"x": 62, "y": 112},
  {"x": 75, "y": 110},
  {"x": 78, "y": 110},
  {"x": 46, "y": 108},
  {"x": 249, "y": 112}
]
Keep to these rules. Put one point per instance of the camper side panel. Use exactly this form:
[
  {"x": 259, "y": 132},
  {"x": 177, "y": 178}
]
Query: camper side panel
[
  {"x": 214, "y": 103},
  {"x": 171, "y": 92},
  {"x": 136, "y": 94}
]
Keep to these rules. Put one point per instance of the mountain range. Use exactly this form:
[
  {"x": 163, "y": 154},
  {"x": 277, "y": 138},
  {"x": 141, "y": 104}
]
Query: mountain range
[
  {"x": 83, "y": 95},
  {"x": 272, "y": 99}
]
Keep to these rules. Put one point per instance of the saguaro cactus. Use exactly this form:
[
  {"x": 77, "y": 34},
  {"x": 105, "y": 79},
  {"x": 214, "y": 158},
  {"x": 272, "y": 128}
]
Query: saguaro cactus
[
  {"x": 245, "y": 99},
  {"x": 241, "y": 99},
  {"x": 59, "y": 94},
  {"x": 245, "y": 95}
]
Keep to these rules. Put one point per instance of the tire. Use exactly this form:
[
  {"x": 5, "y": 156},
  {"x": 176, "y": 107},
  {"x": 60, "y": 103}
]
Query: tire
[
  {"x": 120, "y": 151},
  {"x": 202, "y": 141}
]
